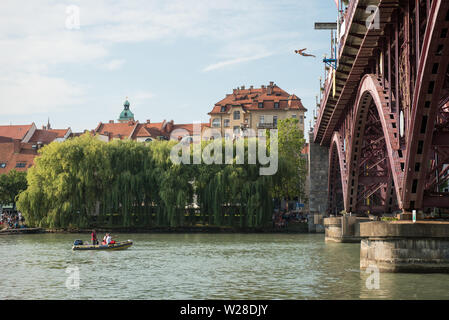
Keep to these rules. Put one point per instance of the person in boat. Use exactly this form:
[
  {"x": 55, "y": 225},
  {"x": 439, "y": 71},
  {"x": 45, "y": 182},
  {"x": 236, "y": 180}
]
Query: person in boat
[
  {"x": 109, "y": 239},
  {"x": 94, "y": 237},
  {"x": 104, "y": 238}
]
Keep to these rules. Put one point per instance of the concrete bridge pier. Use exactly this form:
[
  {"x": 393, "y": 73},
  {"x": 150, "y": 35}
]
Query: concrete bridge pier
[
  {"x": 404, "y": 246},
  {"x": 343, "y": 229},
  {"x": 318, "y": 172},
  {"x": 316, "y": 223}
]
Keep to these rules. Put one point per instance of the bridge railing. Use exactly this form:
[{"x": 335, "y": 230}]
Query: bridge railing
[{"x": 347, "y": 21}]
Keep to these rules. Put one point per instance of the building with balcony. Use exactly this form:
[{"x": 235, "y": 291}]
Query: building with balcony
[{"x": 256, "y": 108}]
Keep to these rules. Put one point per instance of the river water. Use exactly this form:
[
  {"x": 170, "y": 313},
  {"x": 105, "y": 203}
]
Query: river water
[{"x": 200, "y": 266}]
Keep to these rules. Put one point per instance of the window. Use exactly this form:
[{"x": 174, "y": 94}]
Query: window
[
  {"x": 21, "y": 164},
  {"x": 236, "y": 129},
  {"x": 262, "y": 119},
  {"x": 276, "y": 105},
  {"x": 236, "y": 115},
  {"x": 294, "y": 116},
  {"x": 2, "y": 165},
  {"x": 275, "y": 121},
  {"x": 216, "y": 123},
  {"x": 301, "y": 119},
  {"x": 226, "y": 123},
  {"x": 260, "y": 105},
  {"x": 223, "y": 109}
]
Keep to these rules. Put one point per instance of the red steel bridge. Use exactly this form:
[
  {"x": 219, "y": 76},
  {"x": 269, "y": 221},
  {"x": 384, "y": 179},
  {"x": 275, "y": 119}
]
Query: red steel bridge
[{"x": 385, "y": 110}]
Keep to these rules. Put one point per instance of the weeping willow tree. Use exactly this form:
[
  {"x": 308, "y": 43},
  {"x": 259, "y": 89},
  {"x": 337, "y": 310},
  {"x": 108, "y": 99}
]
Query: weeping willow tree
[
  {"x": 234, "y": 194},
  {"x": 85, "y": 182}
]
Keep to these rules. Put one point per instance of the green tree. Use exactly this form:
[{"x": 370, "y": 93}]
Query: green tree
[
  {"x": 291, "y": 176},
  {"x": 11, "y": 185}
]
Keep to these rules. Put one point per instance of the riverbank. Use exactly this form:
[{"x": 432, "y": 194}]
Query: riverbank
[
  {"x": 292, "y": 228},
  {"x": 22, "y": 231}
]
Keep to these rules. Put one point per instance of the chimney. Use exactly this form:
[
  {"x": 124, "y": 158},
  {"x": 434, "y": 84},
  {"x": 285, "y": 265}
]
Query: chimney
[
  {"x": 271, "y": 83},
  {"x": 170, "y": 125},
  {"x": 251, "y": 87},
  {"x": 44, "y": 128},
  {"x": 17, "y": 146},
  {"x": 111, "y": 121},
  {"x": 148, "y": 121},
  {"x": 242, "y": 87}
]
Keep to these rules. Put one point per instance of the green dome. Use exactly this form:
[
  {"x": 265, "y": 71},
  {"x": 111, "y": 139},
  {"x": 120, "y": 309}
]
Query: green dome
[{"x": 126, "y": 114}]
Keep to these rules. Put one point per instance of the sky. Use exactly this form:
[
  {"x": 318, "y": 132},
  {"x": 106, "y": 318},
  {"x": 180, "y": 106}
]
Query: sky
[{"x": 75, "y": 62}]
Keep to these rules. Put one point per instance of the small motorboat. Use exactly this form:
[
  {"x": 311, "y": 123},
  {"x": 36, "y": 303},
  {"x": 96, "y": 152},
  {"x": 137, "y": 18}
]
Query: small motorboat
[{"x": 122, "y": 245}]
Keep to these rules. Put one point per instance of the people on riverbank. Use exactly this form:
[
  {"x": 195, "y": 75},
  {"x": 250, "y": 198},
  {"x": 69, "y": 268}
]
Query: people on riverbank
[
  {"x": 12, "y": 220},
  {"x": 281, "y": 218}
]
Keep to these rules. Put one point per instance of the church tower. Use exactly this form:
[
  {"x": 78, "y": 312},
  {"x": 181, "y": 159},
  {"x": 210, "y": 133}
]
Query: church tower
[{"x": 126, "y": 114}]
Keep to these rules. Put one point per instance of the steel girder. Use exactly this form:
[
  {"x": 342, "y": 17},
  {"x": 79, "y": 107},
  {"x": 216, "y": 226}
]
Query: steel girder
[{"x": 428, "y": 115}]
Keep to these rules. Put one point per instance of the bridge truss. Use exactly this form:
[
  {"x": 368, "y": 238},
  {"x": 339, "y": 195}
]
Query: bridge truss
[{"x": 387, "y": 126}]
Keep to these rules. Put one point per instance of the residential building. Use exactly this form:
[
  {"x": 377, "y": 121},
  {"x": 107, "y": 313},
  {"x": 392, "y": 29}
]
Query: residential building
[
  {"x": 128, "y": 128},
  {"x": 19, "y": 144},
  {"x": 15, "y": 154},
  {"x": 256, "y": 108},
  {"x": 142, "y": 132}
]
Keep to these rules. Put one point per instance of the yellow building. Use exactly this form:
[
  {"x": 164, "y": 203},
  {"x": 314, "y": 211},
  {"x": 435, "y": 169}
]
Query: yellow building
[{"x": 255, "y": 109}]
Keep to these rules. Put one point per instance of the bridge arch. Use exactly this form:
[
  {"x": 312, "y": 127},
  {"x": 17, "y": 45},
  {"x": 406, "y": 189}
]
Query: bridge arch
[
  {"x": 337, "y": 175},
  {"x": 374, "y": 171}
]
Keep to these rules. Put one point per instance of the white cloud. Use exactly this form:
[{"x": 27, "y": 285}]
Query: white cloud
[
  {"x": 229, "y": 62},
  {"x": 114, "y": 64},
  {"x": 34, "y": 93}
]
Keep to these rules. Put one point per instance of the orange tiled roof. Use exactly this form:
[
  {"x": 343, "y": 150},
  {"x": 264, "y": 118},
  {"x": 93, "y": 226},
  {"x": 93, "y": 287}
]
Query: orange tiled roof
[
  {"x": 14, "y": 152},
  {"x": 142, "y": 131},
  {"x": 134, "y": 129},
  {"x": 44, "y": 136},
  {"x": 249, "y": 99},
  {"x": 15, "y": 131},
  {"x": 60, "y": 132},
  {"x": 117, "y": 129}
]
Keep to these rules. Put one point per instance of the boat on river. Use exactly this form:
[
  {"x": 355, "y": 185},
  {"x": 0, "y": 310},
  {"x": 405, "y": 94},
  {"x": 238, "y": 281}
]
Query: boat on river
[{"x": 122, "y": 245}]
